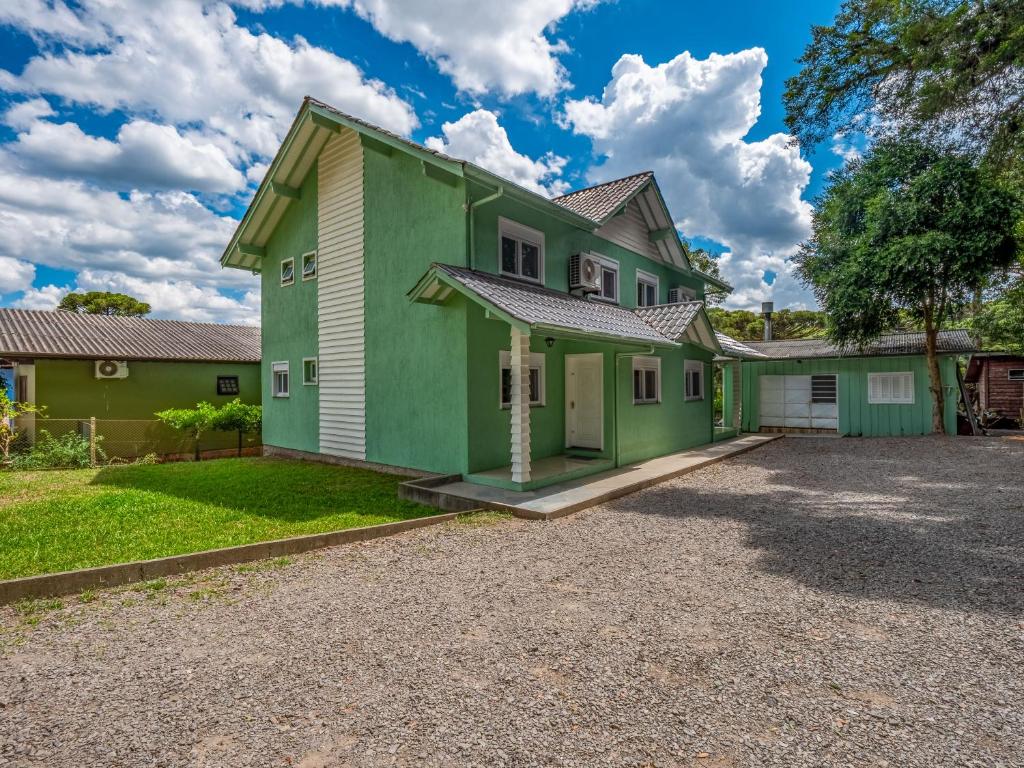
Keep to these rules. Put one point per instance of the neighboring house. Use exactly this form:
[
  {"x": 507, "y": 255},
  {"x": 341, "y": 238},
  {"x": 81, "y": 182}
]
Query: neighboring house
[
  {"x": 420, "y": 312},
  {"x": 125, "y": 368},
  {"x": 810, "y": 385},
  {"x": 999, "y": 381}
]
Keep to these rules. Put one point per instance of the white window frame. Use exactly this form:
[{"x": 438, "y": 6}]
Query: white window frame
[
  {"x": 689, "y": 366},
  {"x": 316, "y": 265},
  {"x": 538, "y": 360},
  {"x": 891, "y": 376},
  {"x": 1018, "y": 371},
  {"x": 292, "y": 280},
  {"x": 281, "y": 366},
  {"x": 646, "y": 278},
  {"x": 613, "y": 266},
  {"x": 645, "y": 363},
  {"x": 520, "y": 233},
  {"x": 315, "y": 380}
]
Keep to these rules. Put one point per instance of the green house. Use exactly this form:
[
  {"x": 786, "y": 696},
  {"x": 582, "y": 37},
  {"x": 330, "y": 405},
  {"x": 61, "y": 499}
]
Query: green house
[
  {"x": 420, "y": 312},
  {"x": 879, "y": 390},
  {"x": 119, "y": 371}
]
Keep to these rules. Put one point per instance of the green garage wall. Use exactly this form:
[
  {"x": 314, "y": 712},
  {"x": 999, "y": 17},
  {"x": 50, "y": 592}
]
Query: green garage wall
[
  {"x": 289, "y": 331},
  {"x": 415, "y": 353},
  {"x": 857, "y": 417}
]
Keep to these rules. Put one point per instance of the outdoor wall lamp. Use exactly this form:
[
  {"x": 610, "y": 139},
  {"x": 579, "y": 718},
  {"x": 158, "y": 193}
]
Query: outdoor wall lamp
[{"x": 549, "y": 341}]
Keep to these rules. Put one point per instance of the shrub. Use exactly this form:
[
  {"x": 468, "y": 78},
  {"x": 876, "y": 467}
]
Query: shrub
[
  {"x": 49, "y": 452},
  {"x": 194, "y": 421}
]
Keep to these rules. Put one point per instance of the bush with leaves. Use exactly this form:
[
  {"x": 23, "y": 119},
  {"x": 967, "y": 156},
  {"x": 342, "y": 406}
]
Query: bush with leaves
[
  {"x": 239, "y": 417},
  {"x": 9, "y": 433},
  {"x": 192, "y": 421},
  {"x": 69, "y": 451}
]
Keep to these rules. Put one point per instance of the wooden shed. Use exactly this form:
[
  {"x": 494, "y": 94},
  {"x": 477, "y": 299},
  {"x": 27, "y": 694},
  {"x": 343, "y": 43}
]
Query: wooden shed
[{"x": 999, "y": 381}]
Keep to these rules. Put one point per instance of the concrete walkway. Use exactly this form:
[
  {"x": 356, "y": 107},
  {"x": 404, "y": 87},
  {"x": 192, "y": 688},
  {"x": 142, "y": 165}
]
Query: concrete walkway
[{"x": 574, "y": 495}]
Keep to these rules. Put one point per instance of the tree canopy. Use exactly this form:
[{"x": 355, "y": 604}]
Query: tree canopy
[
  {"x": 949, "y": 71},
  {"x": 104, "y": 303},
  {"x": 744, "y": 325},
  {"x": 908, "y": 231},
  {"x": 707, "y": 263}
]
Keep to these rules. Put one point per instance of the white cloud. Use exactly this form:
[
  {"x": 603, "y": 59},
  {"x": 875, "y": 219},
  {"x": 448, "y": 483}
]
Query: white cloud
[
  {"x": 144, "y": 155},
  {"x": 192, "y": 63},
  {"x": 50, "y": 18},
  {"x": 15, "y": 275},
  {"x": 45, "y": 297},
  {"x": 478, "y": 138},
  {"x": 686, "y": 119},
  {"x": 22, "y": 115}
]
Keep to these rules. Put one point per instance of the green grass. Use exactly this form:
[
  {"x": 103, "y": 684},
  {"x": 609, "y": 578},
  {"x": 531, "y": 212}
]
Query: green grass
[{"x": 61, "y": 520}]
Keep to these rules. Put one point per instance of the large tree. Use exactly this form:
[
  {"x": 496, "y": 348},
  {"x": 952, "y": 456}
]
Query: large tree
[
  {"x": 104, "y": 303},
  {"x": 910, "y": 230},
  {"x": 948, "y": 70},
  {"x": 744, "y": 325},
  {"x": 707, "y": 263}
]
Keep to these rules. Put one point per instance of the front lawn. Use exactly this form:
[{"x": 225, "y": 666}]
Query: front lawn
[{"x": 62, "y": 520}]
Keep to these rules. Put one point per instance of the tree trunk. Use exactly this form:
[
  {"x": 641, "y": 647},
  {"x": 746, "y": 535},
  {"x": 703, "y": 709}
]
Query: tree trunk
[
  {"x": 931, "y": 336},
  {"x": 197, "y": 448},
  {"x": 239, "y": 442}
]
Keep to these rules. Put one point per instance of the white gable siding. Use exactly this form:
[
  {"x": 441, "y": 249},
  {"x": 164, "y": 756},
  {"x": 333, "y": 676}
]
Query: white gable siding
[
  {"x": 342, "y": 371},
  {"x": 630, "y": 231}
]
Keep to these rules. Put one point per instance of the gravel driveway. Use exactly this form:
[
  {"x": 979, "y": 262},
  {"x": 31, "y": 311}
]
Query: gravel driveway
[{"x": 814, "y": 602}]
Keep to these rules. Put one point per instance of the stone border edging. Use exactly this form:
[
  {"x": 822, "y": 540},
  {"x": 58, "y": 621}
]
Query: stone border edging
[{"x": 106, "y": 576}]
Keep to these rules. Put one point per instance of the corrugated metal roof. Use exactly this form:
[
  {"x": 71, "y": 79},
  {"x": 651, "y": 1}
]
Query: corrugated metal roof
[
  {"x": 535, "y": 305},
  {"x": 956, "y": 341},
  {"x": 601, "y": 201},
  {"x": 733, "y": 348},
  {"x": 671, "y": 320},
  {"x": 54, "y": 333}
]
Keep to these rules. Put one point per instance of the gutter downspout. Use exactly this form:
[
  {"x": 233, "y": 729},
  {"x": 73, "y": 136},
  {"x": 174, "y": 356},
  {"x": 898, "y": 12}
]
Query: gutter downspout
[
  {"x": 470, "y": 208},
  {"x": 615, "y": 398}
]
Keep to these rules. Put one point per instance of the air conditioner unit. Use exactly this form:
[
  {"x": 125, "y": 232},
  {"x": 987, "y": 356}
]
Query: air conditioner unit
[
  {"x": 679, "y": 295},
  {"x": 584, "y": 273},
  {"x": 111, "y": 369}
]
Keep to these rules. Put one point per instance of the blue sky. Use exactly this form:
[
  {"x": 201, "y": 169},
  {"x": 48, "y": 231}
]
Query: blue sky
[{"x": 130, "y": 141}]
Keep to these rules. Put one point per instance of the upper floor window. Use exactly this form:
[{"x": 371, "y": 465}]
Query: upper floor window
[
  {"x": 520, "y": 250},
  {"x": 646, "y": 289},
  {"x": 609, "y": 279},
  {"x": 309, "y": 265},
  {"x": 287, "y": 271}
]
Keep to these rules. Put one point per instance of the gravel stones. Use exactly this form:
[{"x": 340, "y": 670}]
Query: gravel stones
[{"x": 814, "y": 602}]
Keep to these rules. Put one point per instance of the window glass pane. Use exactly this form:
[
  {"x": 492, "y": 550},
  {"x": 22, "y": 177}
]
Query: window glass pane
[
  {"x": 535, "y": 385},
  {"x": 506, "y": 385},
  {"x": 508, "y": 256},
  {"x": 608, "y": 283},
  {"x": 638, "y": 385},
  {"x": 530, "y": 260},
  {"x": 652, "y": 297},
  {"x": 650, "y": 385},
  {"x": 287, "y": 271},
  {"x": 308, "y": 266}
]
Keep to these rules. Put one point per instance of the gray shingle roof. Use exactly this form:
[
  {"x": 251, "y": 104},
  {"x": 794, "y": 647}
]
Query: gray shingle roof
[
  {"x": 540, "y": 306},
  {"x": 733, "y": 348},
  {"x": 671, "y": 320},
  {"x": 53, "y": 333},
  {"x": 601, "y": 201},
  {"x": 950, "y": 342}
]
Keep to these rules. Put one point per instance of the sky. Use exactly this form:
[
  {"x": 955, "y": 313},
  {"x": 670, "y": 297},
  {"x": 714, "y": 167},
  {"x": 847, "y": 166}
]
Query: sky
[{"x": 133, "y": 134}]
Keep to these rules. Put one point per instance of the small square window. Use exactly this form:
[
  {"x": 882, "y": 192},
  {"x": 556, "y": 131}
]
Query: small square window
[
  {"x": 287, "y": 271},
  {"x": 646, "y": 380},
  {"x": 279, "y": 379},
  {"x": 310, "y": 372},
  {"x": 693, "y": 372},
  {"x": 227, "y": 385},
  {"x": 309, "y": 265},
  {"x": 1015, "y": 374},
  {"x": 521, "y": 250}
]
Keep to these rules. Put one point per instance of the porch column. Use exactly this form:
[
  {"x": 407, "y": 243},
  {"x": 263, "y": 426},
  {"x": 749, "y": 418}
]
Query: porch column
[
  {"x": 736, "y": 371},
  {"x": 520, "y": 406}
]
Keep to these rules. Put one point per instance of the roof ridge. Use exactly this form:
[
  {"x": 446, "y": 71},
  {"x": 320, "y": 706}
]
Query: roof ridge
[{"x": 604, "y": 184}]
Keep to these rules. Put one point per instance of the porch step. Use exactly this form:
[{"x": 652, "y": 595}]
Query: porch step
[{"x": 564, "y": 498}]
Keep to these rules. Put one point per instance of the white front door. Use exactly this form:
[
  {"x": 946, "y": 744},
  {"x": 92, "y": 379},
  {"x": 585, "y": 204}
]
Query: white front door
[{"x": 584, "y": 401}]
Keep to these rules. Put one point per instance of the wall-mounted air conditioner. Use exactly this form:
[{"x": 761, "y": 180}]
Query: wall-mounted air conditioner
[
  {"x": 111, "y": 369},
  {"x": 678, "y": 295},
  {"x": 584, "y": 273}
]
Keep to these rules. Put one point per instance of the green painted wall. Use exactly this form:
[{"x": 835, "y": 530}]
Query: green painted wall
[
  {"x": 416, "y": 366},
  {"x": 561, "y": 241},
  {"x": 857, "y": 417},
  {"x": 70, "y": 390},
  {"x": 290, "y": 327}
]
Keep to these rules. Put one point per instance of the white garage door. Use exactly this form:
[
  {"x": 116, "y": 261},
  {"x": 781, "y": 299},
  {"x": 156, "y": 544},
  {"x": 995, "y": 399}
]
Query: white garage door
[{"x": 807, "y": 402}]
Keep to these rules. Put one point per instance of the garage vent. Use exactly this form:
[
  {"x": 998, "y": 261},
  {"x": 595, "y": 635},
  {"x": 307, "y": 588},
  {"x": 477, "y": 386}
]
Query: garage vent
[{"x": 823, "y": 389}]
